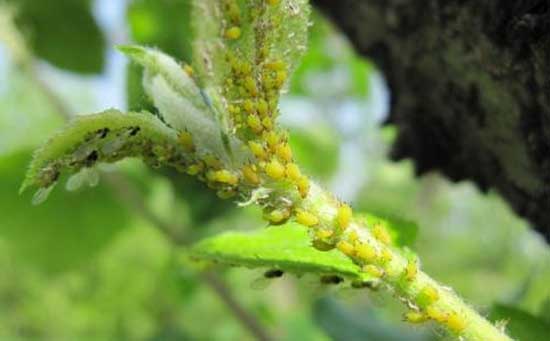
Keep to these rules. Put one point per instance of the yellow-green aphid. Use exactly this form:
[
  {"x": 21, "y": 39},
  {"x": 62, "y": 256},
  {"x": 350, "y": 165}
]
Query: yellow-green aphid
[
  {"x": 186, "y": 141},
  {"x": 272, "y": 139},
  {"x": 276, "y": 65},
  {"x": 250, "y": 86},
  {"x": 267, "y": 122},
  {"x": 212, "y": 161},
  {"x": 343, "y": 216},
  {"x": 254, "y": 123},
  {"x": 233, "y": 33},
  {"x": 188, "y": 70},
  {"x": 262, "y": 107},
  {"x": 277, "y": 216},
  {"x": 346, "y": 248},
  {"x": 275, "y": 170},
  {"x": 381, "y": 233},
  {"x": 324, "y": 234},
  {"x": 385, "y": 256},
  {"x": 250, "y": 174},
  {"x": 366, "y": 252},
  {"x": 283, "y": 151},
  {"x": 195, "y": 168},
  {"x": 427, "y": 296},
  {"x": 273, "y": 2},
  {"x": 415, "y": 317},
  {"x": 280, "y": 78},
  {"x": 249, "y": 106},
  {"x": 306, "y": 218},
  {"x": 456, "y": 323},
  {"x": 353, "y": 237},
  {"x": 293, "y": 171},
  {"x": 257, "y": 149},
  {"x": 411, "y": 269},
  {"x": 373, "y": 270},
  {"x": 436, "y": 314},
  {"x": 303, "y": 186},
  {"x": 223, "y": 176}
]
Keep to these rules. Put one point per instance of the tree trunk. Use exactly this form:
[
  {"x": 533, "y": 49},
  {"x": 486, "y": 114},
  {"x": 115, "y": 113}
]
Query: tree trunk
[{"x": 470, "y": 86}]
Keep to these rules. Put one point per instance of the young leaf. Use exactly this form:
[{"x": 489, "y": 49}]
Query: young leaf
[
  {"x": 106, "y": 137},
  {"x": 286, "y": 247}
]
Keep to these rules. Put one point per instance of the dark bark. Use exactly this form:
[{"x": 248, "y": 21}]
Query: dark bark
[{"x": 470, "y": 85}]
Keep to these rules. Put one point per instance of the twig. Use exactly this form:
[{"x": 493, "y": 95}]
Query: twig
[{"x": 131, "y": 197}]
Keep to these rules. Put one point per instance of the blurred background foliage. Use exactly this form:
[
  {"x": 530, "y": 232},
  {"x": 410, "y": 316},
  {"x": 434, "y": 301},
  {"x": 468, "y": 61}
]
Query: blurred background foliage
[{"x": 92, "y": 265}]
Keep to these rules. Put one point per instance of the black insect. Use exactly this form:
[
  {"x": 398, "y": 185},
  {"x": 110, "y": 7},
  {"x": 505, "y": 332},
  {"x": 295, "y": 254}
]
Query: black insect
[
  {"x": 134, "y": 131},
  {"x": 273, "y": 273},
  {"x": 102, "y": 133},
  {"x": 331, "y": 279}
]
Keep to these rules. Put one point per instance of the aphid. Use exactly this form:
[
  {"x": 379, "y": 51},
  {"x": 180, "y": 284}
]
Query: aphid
[
  {"x": 284, "y": 152},
  {"x": 373, "y": 270},
  {"x": 436, "y": 314},
  {"x": 346, "y": 248},
  {"x": 212, "y": 161},
  {"x": 411, "y": 269},
  {"x": 262, "y": 107},
  {"x": 254, "y": 123},
  {"x": 223, "y": 176},
  {"x": 415, "y": 317},
  {"x": 381, "y": 233},
  {"x": 385, "y": 256},
  {"x": 324, "y": 234},
  {"x": 366, "y": 252},
  {"x": 188, "y": 70},
  {"x": 257, "y": 149},
  {"x": 250, "y": 86},
  {"x": 195, "y": 169},
  {"x": 353, "y": 236},
  {"x": 233, "y": 33},
  {"x": 272, "y": 139},
  {"x": 306, "y": 218},
  {"x": 275, "y": 170},
  {"x": 427, "y": 296},
  {"x": 186, "y": 141},
  {"x": 343, "y": 216},
  {"x": 456, "y": 323},
  {"x": 280, "y": 77},
  {"x": 267, "y": 123},
  {"x": 293, "y": 171},
  {"x": 276, "y": 65},
  {"x": 102, "y": 133},
  {"x": 303, "y": 186},
  {"x": 249, "y": 106},
  {"x": 273, "y": 2},
  {"x": 277, "y": 216},
  {"x": 331, "y": 279},
  {"x": 275, "y": 273},
  {"x": 250, "y": 174},
  {"x": 134, "y": 131}
]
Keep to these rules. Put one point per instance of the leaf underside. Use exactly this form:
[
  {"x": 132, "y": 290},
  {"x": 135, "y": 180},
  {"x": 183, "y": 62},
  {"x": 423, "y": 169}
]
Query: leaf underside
[{"x": 286, "y": 247}]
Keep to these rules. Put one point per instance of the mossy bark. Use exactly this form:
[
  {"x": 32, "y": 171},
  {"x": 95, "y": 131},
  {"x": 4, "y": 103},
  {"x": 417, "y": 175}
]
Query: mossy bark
[{"x": 470, "y": 86}]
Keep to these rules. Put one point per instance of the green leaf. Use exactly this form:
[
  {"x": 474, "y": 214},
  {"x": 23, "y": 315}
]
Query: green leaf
[
  {"x": 286, "y": 247},
  {"x": 164, "y": 24},
  {"x": 63, "y": 32},
  {"x": 63, "y": 233},
  {"x": 520, "y": 324},
  {"x": 106, "y": 137}
]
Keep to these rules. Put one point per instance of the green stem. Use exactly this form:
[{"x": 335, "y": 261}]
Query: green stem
[{"x": 447, "y": 309}]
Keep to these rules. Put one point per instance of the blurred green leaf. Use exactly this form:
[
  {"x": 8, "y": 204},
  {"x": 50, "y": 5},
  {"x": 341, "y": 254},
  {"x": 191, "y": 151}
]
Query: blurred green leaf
[
  {"x": 520, "y": 324},
  {"x": 63, "y": 32},
  {"x": 286, "y": 247},
  {"x": 544, "y": 312},
  {"x": 308, "y": 143},
  {"x": 343, "y": 324},
  {"x": 64, "y": 232},
  {"x": 164, "y": 24}
]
